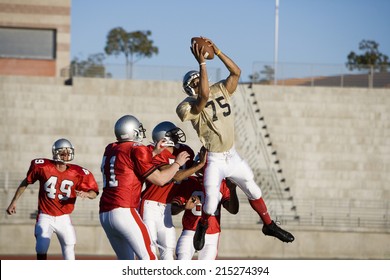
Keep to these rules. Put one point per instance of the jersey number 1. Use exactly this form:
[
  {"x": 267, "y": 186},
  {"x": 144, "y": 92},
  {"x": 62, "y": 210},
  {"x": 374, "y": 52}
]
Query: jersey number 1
[{"x": 113, "y": 181}]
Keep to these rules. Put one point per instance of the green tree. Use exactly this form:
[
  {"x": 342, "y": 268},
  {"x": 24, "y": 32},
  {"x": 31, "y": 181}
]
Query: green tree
[
  {"x": 134, "y": 45},
  {"x": 264, "y": 76},
  {"x": 92, "y": 67},
  {"x": 371, "y": 58}
]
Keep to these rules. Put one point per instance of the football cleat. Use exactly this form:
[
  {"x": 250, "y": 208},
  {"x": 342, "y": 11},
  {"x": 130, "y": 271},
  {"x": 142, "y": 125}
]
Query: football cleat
[
  {"x": 199, "y": 236},
  {"x": 274, "y": 230}
]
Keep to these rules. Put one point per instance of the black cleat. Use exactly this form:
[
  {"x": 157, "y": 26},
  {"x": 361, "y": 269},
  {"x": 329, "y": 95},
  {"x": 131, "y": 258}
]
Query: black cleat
[
  {"x": 199, "y": 235},
  {"x": 274, "y": 230}
]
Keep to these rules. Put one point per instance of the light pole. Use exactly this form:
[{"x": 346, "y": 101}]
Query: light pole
[{"x": 276, "y": 41}]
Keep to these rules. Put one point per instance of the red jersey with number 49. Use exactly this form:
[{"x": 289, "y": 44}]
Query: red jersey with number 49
[
  {"x": 57, "y": 190},
  {"x": 194, "y": 187},
  {"x": 125, "y": 166}
]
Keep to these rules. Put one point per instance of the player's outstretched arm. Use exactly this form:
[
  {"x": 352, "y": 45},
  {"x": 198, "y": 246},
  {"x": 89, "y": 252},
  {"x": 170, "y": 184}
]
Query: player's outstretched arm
[
  {"x": 19, "y": 191},
  {"x": 184, "y": 174},
  {"x": 177, "y": 207},
  {"x": 160, "y": 178},
  {"x": 204, "y": 89}
]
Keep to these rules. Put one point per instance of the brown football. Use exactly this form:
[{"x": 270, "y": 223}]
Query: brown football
[{"x": 208, "y": 51}]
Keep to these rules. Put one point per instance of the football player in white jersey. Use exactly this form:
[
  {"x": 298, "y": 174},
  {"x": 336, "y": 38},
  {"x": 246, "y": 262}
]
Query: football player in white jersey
[{"x": 209, "y": 110}]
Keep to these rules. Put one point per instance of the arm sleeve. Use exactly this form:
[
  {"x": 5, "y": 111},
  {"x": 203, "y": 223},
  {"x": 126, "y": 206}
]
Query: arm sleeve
[
  {"x": 32, "y": 172},
  {"x": 142, "y": 158},
  {"x": 183, "y": 110},
  {"x": 88, "y": 182}
]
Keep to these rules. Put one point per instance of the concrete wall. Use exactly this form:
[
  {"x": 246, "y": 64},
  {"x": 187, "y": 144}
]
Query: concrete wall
[
  {"x": 332, "y": 143},
  {"x": 37, "y": 111}
]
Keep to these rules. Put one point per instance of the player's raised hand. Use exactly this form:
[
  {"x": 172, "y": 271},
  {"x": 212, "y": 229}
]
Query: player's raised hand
[
  {"x": 182, "y": 158},
  {"x": 198, "y": 52}
]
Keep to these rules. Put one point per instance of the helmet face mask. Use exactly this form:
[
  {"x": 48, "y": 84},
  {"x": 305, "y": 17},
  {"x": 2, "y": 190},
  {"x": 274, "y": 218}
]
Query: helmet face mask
[
  {"x": 128, "y": 128},
  {"x": 169, "y": 132},
  {"x": 187, "y": 80},
  {"x": 63, "y": 150},
  {"x": 141, "y": 132},
  {"x": 177, "y": 135}
]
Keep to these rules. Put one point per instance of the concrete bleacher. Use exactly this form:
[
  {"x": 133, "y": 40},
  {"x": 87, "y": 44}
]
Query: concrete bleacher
[
  {"x": 321, "y": 155},
  {"x": 335, "y": 142}
]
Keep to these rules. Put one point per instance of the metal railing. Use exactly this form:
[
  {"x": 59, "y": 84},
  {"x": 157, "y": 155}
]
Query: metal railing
[
  {"x": 325, "y": 75},
  {"x": 324, "y": 214},
  {"x": 289, "y": 74},
  {"x": 138, "y": 72}
]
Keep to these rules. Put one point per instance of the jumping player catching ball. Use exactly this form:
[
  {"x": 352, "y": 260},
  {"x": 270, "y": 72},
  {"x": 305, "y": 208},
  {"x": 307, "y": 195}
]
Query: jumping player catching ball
[{"x": 208, "y": 108}]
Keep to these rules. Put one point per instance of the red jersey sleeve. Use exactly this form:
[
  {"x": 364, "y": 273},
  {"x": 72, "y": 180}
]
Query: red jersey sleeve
[
  {"x": 87, "y": 181},
  {"x": 142, "y": 158},
  {"x": 163, "y": 158},
  {"x": 34, "y": 171}
]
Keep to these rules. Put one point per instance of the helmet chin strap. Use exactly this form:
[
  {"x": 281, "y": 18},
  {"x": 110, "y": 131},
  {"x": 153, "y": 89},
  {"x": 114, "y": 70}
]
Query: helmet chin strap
[
  {"x": 189, "y": 91},
  {"x": 58, "y": 156},
  {"x": 168, "y": 143},
  {"x": 193, "y": 91}
]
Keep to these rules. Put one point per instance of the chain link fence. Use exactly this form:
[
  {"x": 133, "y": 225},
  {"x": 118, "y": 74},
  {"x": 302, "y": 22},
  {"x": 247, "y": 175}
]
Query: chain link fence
[
  {"x": 324, "y": 75},
  {"x": 284, "y": 74}
]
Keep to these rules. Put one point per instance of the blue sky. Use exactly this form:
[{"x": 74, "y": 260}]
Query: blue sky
[{"x": 310, "y": 31}]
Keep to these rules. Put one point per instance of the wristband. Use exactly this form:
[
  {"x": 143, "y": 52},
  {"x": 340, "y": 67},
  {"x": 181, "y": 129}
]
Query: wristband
[
  {"x": 177, "y": 164},
  {"x": 203, "y": 63},
  {"x": 218, "y": 52}
]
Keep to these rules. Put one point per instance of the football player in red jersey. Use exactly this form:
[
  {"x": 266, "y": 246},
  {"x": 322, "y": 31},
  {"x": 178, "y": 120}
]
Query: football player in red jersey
[
  {"x": 126, "y": 164},
  {"x": 209, "y": 109},
  {"x": 190, "y": 198},
  {"x": 60, "y": 184},
  {"x": 155, "y": 200}
]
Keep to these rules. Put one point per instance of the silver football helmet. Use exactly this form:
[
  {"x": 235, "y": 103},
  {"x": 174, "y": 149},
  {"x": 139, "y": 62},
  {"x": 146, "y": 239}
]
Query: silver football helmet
[
  {"x": 128, "y": 128},
  {"x": 187, "y": 79},
  {"x": 63, "y": 150},
  {"x": 170, "y": 132}
]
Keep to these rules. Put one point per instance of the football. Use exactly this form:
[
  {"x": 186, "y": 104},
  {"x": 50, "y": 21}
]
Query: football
[{"x": 208, "y": 51}]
